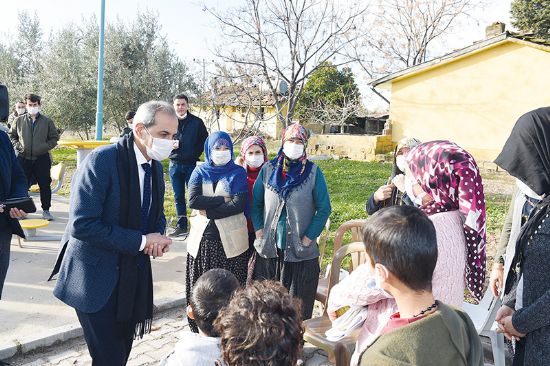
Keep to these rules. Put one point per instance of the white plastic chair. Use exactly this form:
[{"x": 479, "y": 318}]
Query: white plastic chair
[{"x": 483, "y": 316}]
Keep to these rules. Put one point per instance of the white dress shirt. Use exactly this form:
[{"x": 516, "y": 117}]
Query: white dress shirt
[{"x": 140, "y": 159}]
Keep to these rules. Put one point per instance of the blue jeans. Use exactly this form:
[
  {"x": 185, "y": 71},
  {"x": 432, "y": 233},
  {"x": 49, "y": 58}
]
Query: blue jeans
[{"x": 179, "y": 176}]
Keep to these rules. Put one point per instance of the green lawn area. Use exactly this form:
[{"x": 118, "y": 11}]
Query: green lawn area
[{"x": 350, "y": 184}]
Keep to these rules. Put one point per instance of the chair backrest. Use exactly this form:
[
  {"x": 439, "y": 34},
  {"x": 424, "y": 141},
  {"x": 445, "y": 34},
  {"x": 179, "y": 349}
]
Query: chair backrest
[
  {"x": 355, "y": 226},
  {"x": 483, "y": 314},
  {"x": 359, "y": 255},
  {"x": 57, "y": 173},
  {"x": 323, "y": 241}
]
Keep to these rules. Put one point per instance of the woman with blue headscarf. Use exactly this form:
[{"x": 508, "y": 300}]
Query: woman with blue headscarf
[{"x": 218, "y": 196}]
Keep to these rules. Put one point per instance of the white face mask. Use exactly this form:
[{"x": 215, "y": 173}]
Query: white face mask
[
  {"x": 526, "y": 190},
  {"x": 293, "y": 151},
  {"x": 401, "y": 162},
  {"x": 20, "y": 111},
  {"x": 254, "y": 160},
  {"x": 160, "y": 149},
  {"x": 33, "y": 110},
  {"x": 221, "y": 157}
]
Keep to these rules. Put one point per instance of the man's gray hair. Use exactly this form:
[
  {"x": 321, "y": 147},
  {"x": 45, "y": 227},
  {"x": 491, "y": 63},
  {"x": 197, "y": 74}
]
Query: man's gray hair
[{"x": 147, "y": 111}]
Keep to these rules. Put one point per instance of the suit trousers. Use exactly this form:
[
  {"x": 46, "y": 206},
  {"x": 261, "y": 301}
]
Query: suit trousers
[{"x": 108, "y": 340}]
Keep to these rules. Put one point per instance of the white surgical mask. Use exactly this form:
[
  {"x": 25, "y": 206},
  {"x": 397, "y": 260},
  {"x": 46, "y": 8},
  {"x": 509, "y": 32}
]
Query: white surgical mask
[
  {"x": 254, "y": 161},
  {"x": 33, "y": 110},
  {"x": 293, "y": 151},
  {"x": 160, "y": 149},
  {"x": 221, "y": 157},
  {"x": 20, "y": 111},
  {"x": 401, "y": 162},
  {"x": 526, "y": 190}
]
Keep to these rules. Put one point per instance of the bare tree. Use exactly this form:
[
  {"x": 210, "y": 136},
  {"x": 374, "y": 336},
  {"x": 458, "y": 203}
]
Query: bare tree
[
  {"x": 286, "y": 40},
  {"x": 405, "y": 29},
  {"x": 340, "y": 114}
]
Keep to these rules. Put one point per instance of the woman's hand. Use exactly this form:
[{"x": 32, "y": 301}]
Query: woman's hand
[
  {"x": 202, "y": 212},
  {"x": 259, "y": 234},
  {"x": 227, "y": 199},
  {"x": 496, "y": 279},
  {"x": 306, "y": 242},
  {"x": 383, "y": 193},
  {"x": 508, "y": 329}
]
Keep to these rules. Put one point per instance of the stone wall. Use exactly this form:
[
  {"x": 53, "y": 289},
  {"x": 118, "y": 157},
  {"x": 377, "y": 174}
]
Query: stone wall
[{"x": 354, "y": 147}]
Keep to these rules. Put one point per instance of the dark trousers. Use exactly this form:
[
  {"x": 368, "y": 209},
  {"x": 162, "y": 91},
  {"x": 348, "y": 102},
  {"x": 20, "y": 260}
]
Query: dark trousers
[
  {"x": 300, "y": 278},
  {"x": 5, "y": 240},
  {"x": 179, "y": 176},
  {"x": 108, "y": 340},
  {"x": 40, "y": 170}
]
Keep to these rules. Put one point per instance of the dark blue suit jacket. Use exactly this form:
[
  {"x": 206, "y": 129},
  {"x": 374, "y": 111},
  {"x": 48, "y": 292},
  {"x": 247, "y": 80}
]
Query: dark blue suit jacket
[
  {"x": 12, "y": 178},
  {"x": 89, "y": 271}
]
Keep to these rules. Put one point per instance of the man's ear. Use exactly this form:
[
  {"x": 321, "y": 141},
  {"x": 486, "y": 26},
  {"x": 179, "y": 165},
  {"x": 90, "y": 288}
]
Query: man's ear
[
  {"x": 383, "y": 272},
  {"x": 190, "y": 312}
]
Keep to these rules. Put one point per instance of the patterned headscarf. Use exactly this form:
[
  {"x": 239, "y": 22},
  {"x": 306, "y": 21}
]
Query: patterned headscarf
[
  {"x": 288, "y": 175},
  {"x": 253, "y": 140},
  {"x": 450, "y": 175}
]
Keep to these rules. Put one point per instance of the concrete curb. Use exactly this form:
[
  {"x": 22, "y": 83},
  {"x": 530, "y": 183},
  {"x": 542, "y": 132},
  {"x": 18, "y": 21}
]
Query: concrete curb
[{"x": 65, "y": 333}]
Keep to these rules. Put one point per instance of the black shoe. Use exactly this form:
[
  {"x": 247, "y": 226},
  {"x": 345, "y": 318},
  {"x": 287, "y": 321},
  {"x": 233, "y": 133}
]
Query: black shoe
[{"x": 179, "y": 232}]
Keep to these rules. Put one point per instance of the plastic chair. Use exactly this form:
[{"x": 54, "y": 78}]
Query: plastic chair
[
  {"x": 483, "y": 316},
  {"x": 315, "y": 328},
  {"x": 57, "y": 173},
  {"x": 355, "y": 226}
]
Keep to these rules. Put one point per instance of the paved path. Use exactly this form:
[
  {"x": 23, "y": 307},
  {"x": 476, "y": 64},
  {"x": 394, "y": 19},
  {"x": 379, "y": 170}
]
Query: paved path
[
  {"x": 147, "y": 351},
  {"x": 28, "y": 307}
]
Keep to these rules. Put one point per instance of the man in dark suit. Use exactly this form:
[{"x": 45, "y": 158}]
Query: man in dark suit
[
  {"x": 191, "y": 136},
  {"x": 13, "y": 184},
  {"x": 116, "y": 221}
]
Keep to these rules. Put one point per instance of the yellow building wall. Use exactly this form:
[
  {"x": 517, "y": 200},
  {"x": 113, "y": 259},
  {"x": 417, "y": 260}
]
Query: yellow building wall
[{"x": 473, "y": 101}]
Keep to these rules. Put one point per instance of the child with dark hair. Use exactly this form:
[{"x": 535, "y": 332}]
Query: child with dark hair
[
  {"x": 261, "y": 326},
  {"x": 211, "y": 293},
  {"x": 401, "y": 247}
]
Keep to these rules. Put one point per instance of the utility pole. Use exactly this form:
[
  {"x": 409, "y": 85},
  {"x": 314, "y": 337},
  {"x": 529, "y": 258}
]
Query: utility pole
[{"x": 99, "y": 106}]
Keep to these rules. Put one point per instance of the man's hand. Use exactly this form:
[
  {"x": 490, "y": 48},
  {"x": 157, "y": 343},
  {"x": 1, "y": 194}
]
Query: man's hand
[
  {"x": 306, "y": 242},
  {"x": 259, "y": 234},
  {"x": 15, "y": 213},
  {"x": 156, "y": 244},
  {"x": 496, "y": 279},
  {"x": 383, "y": 193},
  {"x": 202, "y": 213},
  {"x": 227, "y": 199}
]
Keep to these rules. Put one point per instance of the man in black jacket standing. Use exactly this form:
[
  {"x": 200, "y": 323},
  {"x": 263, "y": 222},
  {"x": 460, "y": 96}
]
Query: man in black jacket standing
[{"x": 191, "y": 135}]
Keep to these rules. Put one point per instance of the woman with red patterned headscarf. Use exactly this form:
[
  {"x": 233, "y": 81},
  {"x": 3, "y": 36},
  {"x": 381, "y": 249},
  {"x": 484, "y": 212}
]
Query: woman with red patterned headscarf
[{"x": 444, "y": 181}]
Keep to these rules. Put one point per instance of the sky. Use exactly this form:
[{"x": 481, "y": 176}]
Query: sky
[{"x": 191, "y": 31}]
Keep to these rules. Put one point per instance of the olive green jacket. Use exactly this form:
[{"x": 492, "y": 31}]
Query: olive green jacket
[
  {"x": 447, "y": 337},
  {"x": 30, "y": 142}
]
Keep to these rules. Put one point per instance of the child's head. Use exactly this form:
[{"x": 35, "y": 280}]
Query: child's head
[
  {"x": 211, "y": 293},
  {"x": 402, "y": 245},
  {"x": 262, "y": 325}
]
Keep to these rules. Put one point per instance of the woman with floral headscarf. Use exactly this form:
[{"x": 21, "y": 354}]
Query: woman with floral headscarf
[
  {"x": 290, "y": 206},
  {"x": 444, "y": 179},
  {"x": 525, "y": 315},
  {"x": 218, "y": 196}
]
